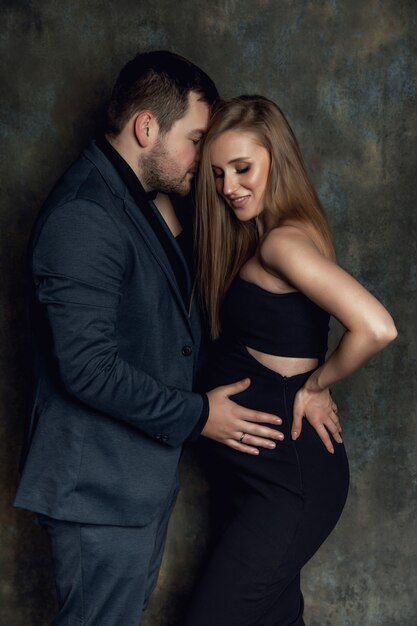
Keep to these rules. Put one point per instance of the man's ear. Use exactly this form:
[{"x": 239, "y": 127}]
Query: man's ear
[{"x": 146, "y": 129}]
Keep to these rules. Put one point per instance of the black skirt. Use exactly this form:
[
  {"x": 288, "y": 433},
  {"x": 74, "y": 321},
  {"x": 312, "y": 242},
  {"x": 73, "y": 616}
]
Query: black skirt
[{"x": 276, "y": 509}]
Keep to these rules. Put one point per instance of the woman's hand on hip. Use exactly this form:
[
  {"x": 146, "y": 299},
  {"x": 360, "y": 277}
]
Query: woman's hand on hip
[{"x": 319, "y": 409}]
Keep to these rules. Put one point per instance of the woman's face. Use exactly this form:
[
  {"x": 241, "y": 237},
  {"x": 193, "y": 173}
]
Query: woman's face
[{"x": 241, "y": 167}]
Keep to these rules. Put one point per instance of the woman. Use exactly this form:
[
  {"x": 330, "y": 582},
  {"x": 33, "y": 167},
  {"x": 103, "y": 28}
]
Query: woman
[{"x": 269, "y": 282}]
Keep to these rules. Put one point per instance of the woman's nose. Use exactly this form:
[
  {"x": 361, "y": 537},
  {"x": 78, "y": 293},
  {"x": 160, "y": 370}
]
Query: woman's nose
[{"x": 229, "y": 185}]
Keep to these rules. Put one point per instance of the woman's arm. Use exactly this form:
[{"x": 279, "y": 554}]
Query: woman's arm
[{"x": 289, "y": 252}]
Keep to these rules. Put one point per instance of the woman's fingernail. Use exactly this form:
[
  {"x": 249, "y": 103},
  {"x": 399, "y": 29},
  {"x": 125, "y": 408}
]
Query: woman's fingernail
[{"x": 271, "y": 444}]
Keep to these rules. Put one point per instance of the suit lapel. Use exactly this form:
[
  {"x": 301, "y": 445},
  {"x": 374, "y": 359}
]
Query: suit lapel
[
  {"x": 155, "y": 247},
  {"x": 175, "y": 245}
]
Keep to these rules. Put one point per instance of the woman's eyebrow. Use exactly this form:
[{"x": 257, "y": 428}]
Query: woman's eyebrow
[
  {"x": 243, "y": 158},
  {"x": 233, "y": 161}
]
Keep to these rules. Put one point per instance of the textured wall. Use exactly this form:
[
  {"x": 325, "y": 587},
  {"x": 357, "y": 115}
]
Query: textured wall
[{"x": 344, "y": 72}]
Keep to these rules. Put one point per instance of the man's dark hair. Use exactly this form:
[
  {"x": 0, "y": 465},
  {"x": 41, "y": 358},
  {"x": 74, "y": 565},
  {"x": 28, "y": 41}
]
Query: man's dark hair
[{"x": 160, "y": 82}]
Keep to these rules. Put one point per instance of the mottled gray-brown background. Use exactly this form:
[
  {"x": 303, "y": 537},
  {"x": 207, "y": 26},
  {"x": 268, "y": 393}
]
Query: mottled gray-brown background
[{"x": 344, "y": 72}]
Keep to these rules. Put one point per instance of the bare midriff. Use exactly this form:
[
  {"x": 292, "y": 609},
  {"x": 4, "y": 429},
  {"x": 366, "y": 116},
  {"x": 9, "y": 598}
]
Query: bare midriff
[{"x": 284, "y": 365}]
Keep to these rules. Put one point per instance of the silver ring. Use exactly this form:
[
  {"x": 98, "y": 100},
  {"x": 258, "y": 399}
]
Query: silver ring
[{"x": 242, "y": 436}]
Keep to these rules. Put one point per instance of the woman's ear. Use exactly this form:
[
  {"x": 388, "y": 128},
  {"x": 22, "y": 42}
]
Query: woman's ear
[{"x": 146, "y": 129}]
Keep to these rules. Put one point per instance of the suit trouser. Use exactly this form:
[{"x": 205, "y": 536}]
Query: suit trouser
[
  {"x": 276, "y": 509},
  {"x": 105, "y": 575}
]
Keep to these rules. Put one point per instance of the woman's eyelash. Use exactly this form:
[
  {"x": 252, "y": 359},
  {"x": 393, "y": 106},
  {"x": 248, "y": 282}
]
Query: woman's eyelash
[{"x": 241, "y": 170}]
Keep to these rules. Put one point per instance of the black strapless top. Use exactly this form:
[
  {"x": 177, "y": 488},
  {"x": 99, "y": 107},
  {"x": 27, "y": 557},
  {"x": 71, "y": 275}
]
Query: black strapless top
[{"x": 283, "y": 324}]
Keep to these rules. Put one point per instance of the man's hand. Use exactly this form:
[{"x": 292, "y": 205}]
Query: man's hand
[{"x": 236, "y": 426}]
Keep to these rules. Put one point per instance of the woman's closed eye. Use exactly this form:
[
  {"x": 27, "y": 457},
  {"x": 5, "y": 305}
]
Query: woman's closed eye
[{"x": 238, "y": 170}]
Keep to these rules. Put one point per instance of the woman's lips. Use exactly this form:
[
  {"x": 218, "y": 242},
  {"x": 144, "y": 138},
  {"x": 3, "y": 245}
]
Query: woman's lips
[{"x": 238, "y": 203}]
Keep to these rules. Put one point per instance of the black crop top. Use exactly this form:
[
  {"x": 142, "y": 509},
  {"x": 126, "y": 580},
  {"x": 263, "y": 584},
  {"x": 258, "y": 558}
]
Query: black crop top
[{"x": 283, "y": 324}]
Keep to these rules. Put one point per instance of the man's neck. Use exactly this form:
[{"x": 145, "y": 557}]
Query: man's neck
[
  {"x": 128, "y": 155},
  {"x": 161, "y": 201}
]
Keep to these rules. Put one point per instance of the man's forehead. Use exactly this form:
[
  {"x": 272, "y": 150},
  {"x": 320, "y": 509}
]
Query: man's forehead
[{"x": 197, "y": 114}]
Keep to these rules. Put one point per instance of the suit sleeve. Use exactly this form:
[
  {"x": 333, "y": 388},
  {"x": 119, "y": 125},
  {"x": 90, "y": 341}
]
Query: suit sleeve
[{"x": 78, "y": 263}]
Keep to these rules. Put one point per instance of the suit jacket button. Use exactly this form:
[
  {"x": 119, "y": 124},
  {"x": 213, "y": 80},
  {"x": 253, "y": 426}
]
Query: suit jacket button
[{"x": 186, "y": 350}]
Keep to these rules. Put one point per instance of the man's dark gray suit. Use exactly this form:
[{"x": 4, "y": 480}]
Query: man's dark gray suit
[{"x": 116, "y": 357}]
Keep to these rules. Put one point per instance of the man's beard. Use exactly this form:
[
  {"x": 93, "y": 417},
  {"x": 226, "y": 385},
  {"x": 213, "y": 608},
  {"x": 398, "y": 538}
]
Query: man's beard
[{"x": 160, "y": 172}]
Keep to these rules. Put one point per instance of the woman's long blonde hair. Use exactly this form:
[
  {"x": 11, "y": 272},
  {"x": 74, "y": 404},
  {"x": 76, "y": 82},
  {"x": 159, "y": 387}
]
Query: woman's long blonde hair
[{"x": 224, "y": 243}]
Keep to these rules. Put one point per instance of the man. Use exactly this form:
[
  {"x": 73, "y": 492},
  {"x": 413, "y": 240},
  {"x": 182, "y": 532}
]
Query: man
[{"x": 117, "y": 344}]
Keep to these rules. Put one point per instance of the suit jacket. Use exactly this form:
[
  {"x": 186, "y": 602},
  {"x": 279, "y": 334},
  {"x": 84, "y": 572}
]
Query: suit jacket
[{"x": 116, "y": 353}]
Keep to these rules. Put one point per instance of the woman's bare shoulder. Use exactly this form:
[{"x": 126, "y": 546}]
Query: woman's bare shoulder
[{"x": 286, "y": 239}]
